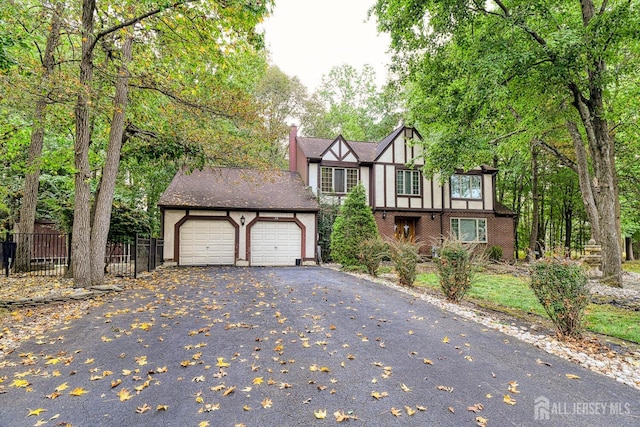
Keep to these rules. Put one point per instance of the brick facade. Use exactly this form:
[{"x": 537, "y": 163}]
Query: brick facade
[{"x": 430, "y": 227}]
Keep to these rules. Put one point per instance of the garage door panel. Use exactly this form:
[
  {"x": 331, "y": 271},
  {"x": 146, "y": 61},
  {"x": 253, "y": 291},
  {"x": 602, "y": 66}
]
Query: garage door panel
[
  {"x": 275, "y": 243},
  {"x": 207, "y": 242}
]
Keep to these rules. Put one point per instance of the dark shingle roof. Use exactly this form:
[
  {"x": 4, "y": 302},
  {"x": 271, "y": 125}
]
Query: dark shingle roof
[
  {"x": 313, "y": 148},
  {"x": 235, "y": 188},
  {"x": 501, "y": 209}
]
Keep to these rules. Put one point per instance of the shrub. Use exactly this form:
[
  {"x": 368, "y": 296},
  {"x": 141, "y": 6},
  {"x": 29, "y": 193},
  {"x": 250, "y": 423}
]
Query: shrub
[
  {"x": 561, "y": 287},
  {"x": 404, "y": 254},
  {"x": 456, "y": 267},
  {"x": 326, "y": 217},
  {"x": 372, "y": 251},
  {"x": 495, "y": 253},
  {"x": 353, "y": 225}
]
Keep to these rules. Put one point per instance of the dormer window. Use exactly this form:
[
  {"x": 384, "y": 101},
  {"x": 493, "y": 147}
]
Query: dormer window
[
  {"x": 338, "y": 180},
  {"x": 466, "y": 187}
]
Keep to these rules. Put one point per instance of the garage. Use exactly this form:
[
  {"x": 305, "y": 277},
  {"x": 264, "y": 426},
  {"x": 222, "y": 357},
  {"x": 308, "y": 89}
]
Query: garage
[
  {"x": 207, "y": 242},
  {"x": 240, "y": 217},
  {"x": 275, "y": 243}
]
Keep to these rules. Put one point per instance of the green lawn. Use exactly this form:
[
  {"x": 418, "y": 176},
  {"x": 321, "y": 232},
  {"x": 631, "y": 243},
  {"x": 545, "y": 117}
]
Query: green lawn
[
  {"x": 631, "y": 266},
  {"x": 512, "y": 295}
]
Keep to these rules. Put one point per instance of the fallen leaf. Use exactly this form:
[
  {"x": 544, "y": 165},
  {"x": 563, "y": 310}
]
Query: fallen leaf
[
  {"x": 396, "y": 412},
  {"x": 79, "y": 391},
  {"x": 475, "y": 408},
  {"x": 341, "y": 416},
  {"x": 421, "y": 408},
  {"x": 451, "y": 409},
  {"x": 124, "y": 395},
  {"x": 541, "y": 362},
  {"x": 572, "y": 376},
  {"x": 246, "y": 407},
  {"x": 35, "y": 412},
  {"x": 427, "y": 361},
  {"x": 404, "y": 388},
  {"x": 508, "y": 400},
  {"x": 481, "y": 421},
  {"x": 320, "y": 414},
  {"x": 445, "y": 340},
  {"x": 258, "y": 380},
  {"x": 40, "y": 423},
  {"x": 162, "y": 408},
  {"x": 221, "y": 363},
  {"x": 203, "y": 424},
  {"x": 377, "y": 395},
  {"x": 62, "y": 387},
  {"x": 116, "y": 383},
  {"x": 513, "y": 387},
  {"x": 229, "y": 391},
  {"x": 142, "y": 409},
  {"x": 266, "y": 403},
  {"x": 19, "y": 383},
  {"x": 410, "y": 410},
  {"x": 445, "y": 388}
]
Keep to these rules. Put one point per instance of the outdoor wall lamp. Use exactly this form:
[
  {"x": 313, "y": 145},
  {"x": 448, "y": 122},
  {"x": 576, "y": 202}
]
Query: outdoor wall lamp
[
  {"x": 242, "y": 220},
  {"x": 384, "y": 214},
  {"x": 433, "y": 215}
]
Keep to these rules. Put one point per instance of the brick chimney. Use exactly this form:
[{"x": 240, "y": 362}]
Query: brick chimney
[{"x": 293, "y": 148}]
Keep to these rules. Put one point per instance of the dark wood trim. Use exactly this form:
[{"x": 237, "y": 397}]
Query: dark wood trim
[{"x": 187, "y": 217}]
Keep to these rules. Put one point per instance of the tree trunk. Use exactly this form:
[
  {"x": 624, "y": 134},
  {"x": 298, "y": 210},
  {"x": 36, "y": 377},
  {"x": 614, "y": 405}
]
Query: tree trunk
[
  {"x": 535, "y": 217},
  {"x": 628, "y": 243},
  {"x": 32, "y": 177},
  {"x": 102, "y": 218},
  {"x": 81, "y": 213}
]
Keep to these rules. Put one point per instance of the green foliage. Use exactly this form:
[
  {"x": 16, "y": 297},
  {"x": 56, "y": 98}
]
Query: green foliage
[
  {"x": 353, "y": 225},
  {"x": 348, "y": 103},
  {"x": 494, "y": 253},
  {"x": 372, "y": 251},
  {"x": 326, "y": 218},
  {"x": 127, "y": 221},
  {"x": 405, "y": 255},
  {"x": 561, "y": 287},
  {"x": 456, "y": 268}
]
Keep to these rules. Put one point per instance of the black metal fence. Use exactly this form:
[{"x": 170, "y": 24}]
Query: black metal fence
[{"x": 48, "y": 254}]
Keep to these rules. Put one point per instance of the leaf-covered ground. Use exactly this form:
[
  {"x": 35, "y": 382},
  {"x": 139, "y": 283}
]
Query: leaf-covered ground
[{"x": 289, "y": 347}]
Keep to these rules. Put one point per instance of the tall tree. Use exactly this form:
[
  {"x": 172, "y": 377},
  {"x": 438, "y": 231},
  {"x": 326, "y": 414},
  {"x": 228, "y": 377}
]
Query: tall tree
[
  {"x": 235, "y": 19},
  {"x": 348, "y": 102},
  {"x": 561, "y": 57},
  {"x": 32, "y": 176},
  {"x": 281, "y": 100}
]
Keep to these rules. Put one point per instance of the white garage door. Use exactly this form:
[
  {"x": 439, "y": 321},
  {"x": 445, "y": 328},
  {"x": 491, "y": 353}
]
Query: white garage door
[
  {"x": 275, "y": 243},
  {"x": 207, "y": 242}
]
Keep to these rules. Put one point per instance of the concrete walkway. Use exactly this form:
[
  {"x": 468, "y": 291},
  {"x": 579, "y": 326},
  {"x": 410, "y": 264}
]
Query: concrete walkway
[{"x": 267, "y": 346}]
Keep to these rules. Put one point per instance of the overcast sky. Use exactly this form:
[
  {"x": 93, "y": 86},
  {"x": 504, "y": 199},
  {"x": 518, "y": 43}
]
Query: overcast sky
[{"x": 306, "y": 38}]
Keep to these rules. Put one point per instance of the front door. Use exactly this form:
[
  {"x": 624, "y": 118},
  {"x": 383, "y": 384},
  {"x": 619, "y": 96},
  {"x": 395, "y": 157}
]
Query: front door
[{"x": 405, "y": 228}]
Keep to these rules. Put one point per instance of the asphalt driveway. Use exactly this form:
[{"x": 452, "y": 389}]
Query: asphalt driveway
[{"x": 283, "y": 346}]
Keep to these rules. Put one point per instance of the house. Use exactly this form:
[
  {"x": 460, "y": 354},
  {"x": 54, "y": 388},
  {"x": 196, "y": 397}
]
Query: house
[
  {"x": 404, "y": 201},
  {"x": 232, "y": 216}
]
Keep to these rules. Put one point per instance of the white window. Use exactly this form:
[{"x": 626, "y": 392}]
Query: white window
[
  {"x": 466, "y": 187},
  {"x": 338, "y": 180},
  {"x": 408, "y": 183},
  {"x": 469, "y": 229}
]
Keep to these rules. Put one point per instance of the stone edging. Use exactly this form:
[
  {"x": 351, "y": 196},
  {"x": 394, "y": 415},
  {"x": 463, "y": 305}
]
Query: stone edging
[{"x": 80, "y": 294}]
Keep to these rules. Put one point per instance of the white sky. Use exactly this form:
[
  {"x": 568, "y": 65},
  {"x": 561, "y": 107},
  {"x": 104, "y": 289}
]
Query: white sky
[{"x": 306, "y": 38}]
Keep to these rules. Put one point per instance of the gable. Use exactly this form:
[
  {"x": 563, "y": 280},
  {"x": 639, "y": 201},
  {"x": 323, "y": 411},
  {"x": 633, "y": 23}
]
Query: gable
[
  {"x": 397, "y": 148},
  {"x": 340, "y": 151}
]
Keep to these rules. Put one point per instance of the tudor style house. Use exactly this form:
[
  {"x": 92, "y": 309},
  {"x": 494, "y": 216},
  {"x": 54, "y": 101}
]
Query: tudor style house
[{"x": 404, "y": 201}]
